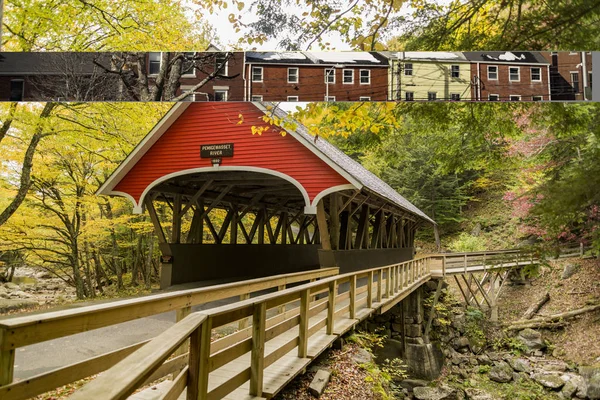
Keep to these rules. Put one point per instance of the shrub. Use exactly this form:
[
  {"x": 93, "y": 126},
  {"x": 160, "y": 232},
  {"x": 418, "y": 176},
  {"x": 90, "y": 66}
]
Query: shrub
[{"x": 466, "y": 242}]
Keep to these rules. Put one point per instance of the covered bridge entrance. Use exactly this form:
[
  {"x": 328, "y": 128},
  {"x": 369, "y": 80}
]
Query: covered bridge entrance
[{"x": 227, "y": 202}]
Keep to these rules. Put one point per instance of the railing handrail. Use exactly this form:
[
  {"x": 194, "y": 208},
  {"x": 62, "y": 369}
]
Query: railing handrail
[{"x": 174, "y": 300}]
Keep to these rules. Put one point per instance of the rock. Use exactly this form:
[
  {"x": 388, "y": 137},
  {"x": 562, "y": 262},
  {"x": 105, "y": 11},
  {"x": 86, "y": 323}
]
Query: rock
[
  {"x": 557, "y": 365},
  {"x": 532, "y": 339},
  {"x": 569, "y": 270},
  {"x": 593, "y": 387},
  {"x": 550, "y": 381},
  {"x": 431, "y": 285},
  {"x": 413, "y": 330},
  {"x": 391, "y": 349},
  {"x": 410, "y": 384},
  {"x": 461, "y": 343},
  {"x": 494, "y": 356},
  {"x": 478, "y": 394},
  {"x": 569, "y": 389},
  {"x": 501, "y": 372},
  {"x": 458, "y": 322},
  {"x": 436, "y": 393},
  {"x": 362, "y": 356},
  {"x": 520, "y": 365},
  {"x": 7, "y": 305},
  {"x": 580, "y": 385},
  {"x": 19, "y": 294},
  {"x": 484, "y": 359},
  {"x": 12, "y": 286},
  {"x": 319, "y": 382}
]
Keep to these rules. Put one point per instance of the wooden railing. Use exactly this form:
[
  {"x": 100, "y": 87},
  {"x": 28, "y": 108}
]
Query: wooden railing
[
  {"x": 462, "y": 263},
  {"x": 317, "y": 313},
  {"x": 30, "y": 329}
]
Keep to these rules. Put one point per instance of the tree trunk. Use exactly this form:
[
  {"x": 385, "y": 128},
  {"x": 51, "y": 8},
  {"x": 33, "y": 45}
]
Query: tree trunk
[
  {"x": 77, "y": 280},
  {"x": 539, "y": 322},
  {"x": 148, "y": 272},
  {"x": 531, "y": 311},
  {"x": 25, "y": 181},
  {"x": 7, "y": 123},
  {"x": 137, "y": 262},
  {"x": 88, "y": 271}
]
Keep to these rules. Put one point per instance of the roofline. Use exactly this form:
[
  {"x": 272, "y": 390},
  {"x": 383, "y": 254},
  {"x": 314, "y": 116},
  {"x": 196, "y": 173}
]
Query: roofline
[
  {"x": 509, "y": 62},
  {"x": 316, "y": 151},
  {"x": 312, "y": 64},
  {"x": 152, "y": 137}
]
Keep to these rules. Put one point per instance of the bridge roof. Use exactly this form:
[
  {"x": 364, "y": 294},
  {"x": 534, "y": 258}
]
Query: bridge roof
[{"x": 325, "y": 168}]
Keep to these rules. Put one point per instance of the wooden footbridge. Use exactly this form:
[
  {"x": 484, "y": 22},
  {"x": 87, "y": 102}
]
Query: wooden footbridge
[{"x": 276, "y": 335}]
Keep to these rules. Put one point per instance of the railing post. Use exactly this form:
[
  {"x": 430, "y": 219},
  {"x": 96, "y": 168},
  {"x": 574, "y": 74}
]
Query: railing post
[
  {"x": 379, "y": 284},
  {"x": 370, "y": 290},
  {"x": 393, "y": 279},
  {"x": 465, "y": 263},
  {"x": 281, "y": 309},
  {"x": 257, "y": 356},
  {"x": 397, "y": 277},
  {"x": 180, "y": 315},
  {"x": 197, "y": 388},
  {"x": 331, "y": 307},
  {"x": 303, "y": 325},
  {"x": 581, "y": 249},
  {"x": 388, "y": 287},
  {"x": 444, "y": 266},
  {"x": 7, "y": 360},
  {"x": 353, "y": 296},
  {"x": 243, "y": 323}
]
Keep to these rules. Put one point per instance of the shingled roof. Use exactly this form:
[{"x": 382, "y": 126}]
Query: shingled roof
[{"x": 369, "y": 180}]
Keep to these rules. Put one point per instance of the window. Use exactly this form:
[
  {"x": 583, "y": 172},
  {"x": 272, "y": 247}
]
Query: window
[
  {"x": 365, "y": 77},
  {"x": 537, "y": 98},
  {"x": 188, "y": 64},
  {"x": 256, "y": 98},
  {"x": 431, "y": 96},
  {"x": 154, "y": 63},
  {"x": 514, "y": 97},
  {"x": 455, "y": 96},
  {"x": 329, "y": 98},
  {"x": 514, "y": 74},
  {"x": 409, "y": 96},
  {"x": 493, "y": 97},
  {"x": 575, "y": 81},
  {"x": 17, "y": 88},
  {"x": 590, "y": 79},
  {"x": 329, "y": 75},
  {"x": 220, "y": 95},
  {"x": 492, "y": 72},
  {"x": 408, "y": 69},
  {"x": 257, "y": 74},
  {"x": 364, "y": 98},
  {"x": 221, "y": 58},
  {"x": 536, "y": 74},
  {"x": 455, "y": 71},
  {"x": 292, "y": 98},
  {"x": 348, "y": 76},
  {"x": 293, "y": 75}
]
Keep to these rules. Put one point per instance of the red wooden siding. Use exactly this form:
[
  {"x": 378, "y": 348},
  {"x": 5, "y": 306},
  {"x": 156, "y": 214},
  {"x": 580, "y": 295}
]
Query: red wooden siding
[{"x": 212, "y": 123}]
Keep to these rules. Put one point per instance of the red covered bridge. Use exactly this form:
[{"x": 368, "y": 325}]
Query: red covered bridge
[{"x": 227, "y": 203}]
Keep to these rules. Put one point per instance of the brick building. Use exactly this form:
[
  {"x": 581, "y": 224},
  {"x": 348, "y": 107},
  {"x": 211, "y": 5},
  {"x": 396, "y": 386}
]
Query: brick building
[
  {"x": 316, "y": 76},
  {"x": 570, "y": 74},
  {"x": 509, "y": 76}
]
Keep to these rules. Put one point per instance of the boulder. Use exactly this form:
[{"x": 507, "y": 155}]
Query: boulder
[
  {"x": 410, "y": 384},
  {"x": 461, "y": 343},
  {"x": 477, "y": 394},
  {"x": 484, "y": 359},
  {"x": 569, "y": 389},
  {"x": 557, "y": 365},
  {"x": 593, "y": 387},
  {"x": 436, "y": 393},
  {"x": 520, "y": 365},
  {"x": 362, "y": 356},
  {"x": 501, "y": 372},
  {"x": 390, "y": 350},
  {"x": 532, "y": 339},
  {"x": 12, "y": 286},
  {"x": 569, "y": 270},
  {"x": 319, "y": 383},
  {"x": 7, "y": 305},
  {"x": 550, "y": 381}
]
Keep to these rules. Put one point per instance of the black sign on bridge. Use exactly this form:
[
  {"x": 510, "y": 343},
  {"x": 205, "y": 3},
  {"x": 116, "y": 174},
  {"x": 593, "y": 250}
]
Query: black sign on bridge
[{"x": 216, "y": 150}]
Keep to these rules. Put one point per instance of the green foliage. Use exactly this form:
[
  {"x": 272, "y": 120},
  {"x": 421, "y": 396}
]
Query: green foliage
[
  {"x": 379, "y": 380},
  {"x": 367, "y": 340},
  {"x": 473, "y": 326},
  {"x": 467, "y": 242},
  {"x": 512, "y": 344},
  {"x": 484, "y": 369},
  {"x": 395, "y": 368}
]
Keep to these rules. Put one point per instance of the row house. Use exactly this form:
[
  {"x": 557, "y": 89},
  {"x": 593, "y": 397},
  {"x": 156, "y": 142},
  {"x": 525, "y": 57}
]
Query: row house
[
  {"x": 428, "y": 76},
  {"x": 509, "y": 76},
  {"x": 570, "y": 74},
  {"x": 316, "y": 76}
]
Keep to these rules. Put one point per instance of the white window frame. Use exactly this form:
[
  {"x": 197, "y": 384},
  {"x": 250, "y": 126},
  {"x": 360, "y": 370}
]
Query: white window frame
[
  {"x": 455, "y": 94},
  {"x": 329, "y": 98},
  {"x": 193, "y": 74},
  {"x": 429, "y": 96},
  {"x": 452, "y": 71},
  {"x": 150, "y": 62},
  {"x": 344, "y": 77},
  {"x": 412, "y": 96},
  {"x": 225, "y": 67},
  {"x": 360, "y": 77},
  {"x": 571, "y": 73},
  {"x": 540, "y": 73},
  {"x": 488, "y": 73},
  {"x": 256, "y": 97},
  {"x": 518, "y": 74},
  {"x": 537, "y": 98},
  {"x": 297, "y": 74},
  {"x": 225, "y": 91},
  {"x": 22, "y": 81},
  {"x": 329, "y": 75},
  {"x": 364, "y": 98},
  {"x": 493, "y": 94},
  {"x": 411, "y": 69},
  {"x": 293, "y": 98},
  {"x": 262, "y": 77},
  {"x": 510, "y": 97}
]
